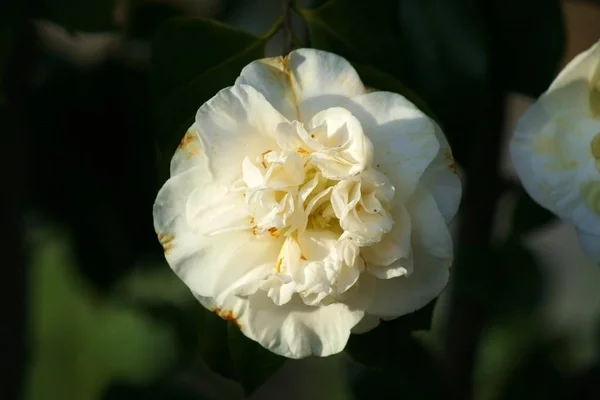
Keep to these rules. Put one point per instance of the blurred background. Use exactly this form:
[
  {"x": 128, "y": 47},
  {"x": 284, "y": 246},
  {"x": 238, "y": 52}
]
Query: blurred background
[{"x": 94, "y": 312}]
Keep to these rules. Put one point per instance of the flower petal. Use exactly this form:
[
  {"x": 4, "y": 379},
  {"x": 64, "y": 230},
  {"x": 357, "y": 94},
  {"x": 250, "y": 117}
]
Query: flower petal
[
  {"x": 590, "y": 244},
  {"x": 400, "y": 296},
  {"x": 576, "y": 82},
  {"x": 344, "y": 149},
  {"x": 294, "y": 329},
  {"x": 403, "y": 137},
  {"x": 392, "y": 256},
  {"x": 429, "y": 229},
  {"x": 189, "y": 153},
  {"x": 442, "y": 180},
  {"x": 551, "y": 154},
  {"x": 303, "y": 83},
  {"x": 237, "y": 122},
  {"x": 207, "y": 264}
]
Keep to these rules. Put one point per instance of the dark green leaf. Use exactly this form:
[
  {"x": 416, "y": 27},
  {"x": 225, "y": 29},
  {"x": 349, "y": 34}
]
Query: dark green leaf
[
  {"x": 529, "y": 36},
  {"x": 77, "y": 15},
  {"x": 359, "y": 30},
  {"x": 445, "y": 54},
  {"x": 389, "y": 343},
  {"x": 535, "y": 377},
  {"x": 193, "y": 60},
  {"x": 213, "y": 344},
  {"x": 253, "y": 364},
  {"x": 147, "y": 17},
  {"x": 528, "y": 215},
  {"x": 411, "y": 373},
  {"x": 505, "y": 280}
]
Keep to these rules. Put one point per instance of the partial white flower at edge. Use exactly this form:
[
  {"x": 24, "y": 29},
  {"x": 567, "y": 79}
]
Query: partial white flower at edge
[
  {"x": 556, "y": 148},
  {"x": 303, "y": 207}
]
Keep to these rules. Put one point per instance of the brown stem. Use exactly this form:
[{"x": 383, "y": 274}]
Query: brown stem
[{"x": 467, "y": 315}]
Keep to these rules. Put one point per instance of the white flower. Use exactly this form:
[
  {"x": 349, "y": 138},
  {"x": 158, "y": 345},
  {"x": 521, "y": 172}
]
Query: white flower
[
  {"x": 556, "y": 148},
  {"x": 302, "y": 207}
]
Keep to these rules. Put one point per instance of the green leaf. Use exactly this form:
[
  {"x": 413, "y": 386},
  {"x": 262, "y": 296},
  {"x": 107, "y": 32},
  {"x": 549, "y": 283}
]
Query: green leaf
[
  {"x": 536, "y": 377},
  {"x": 213, "y": 344},
  {"x": 193, "y": 60},
  {"x": 81, "y": 342},
  {"x": 388, "y": 344},
  {"x": 147, "y": 17},
  {"x": 412, "y": 375},
  {"x": 361, "y": 31},
  {"x": 77, "y": 15},
  {"x": 445, "y": 54},
  {"x": 254, "y": 365},
  {"x": 505, "y": 280},
  {"x": 529, "y": 36}
]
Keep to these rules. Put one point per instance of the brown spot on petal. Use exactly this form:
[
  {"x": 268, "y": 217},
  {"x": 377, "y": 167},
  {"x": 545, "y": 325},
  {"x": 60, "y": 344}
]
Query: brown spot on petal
[
  {"x": 278, "y": 264},
  {"x": 302, "y": 151},
  {"x": 255, "y": 230},
  {"x": 451, "y": 163},
  {"x": 189, "y": 144},
  {"x": 264, "y": 162},
  {"x": 274, "y": 232},
  {"x": 166, "y": 240},
  {"x": 302, "y": 257},
  {"x": 227, "y": 315}
]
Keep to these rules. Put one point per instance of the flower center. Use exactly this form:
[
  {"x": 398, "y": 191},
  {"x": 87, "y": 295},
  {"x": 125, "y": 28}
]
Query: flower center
[{"x": 320, "y": 196}]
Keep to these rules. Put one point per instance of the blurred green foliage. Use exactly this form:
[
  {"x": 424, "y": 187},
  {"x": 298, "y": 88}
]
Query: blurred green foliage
[
  {"x": 108, "y": 319},
  {"x": 82, "y": 340}
]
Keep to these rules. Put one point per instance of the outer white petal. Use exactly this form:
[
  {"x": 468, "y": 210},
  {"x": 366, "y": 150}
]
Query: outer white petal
[
  {"x": 405, "y": 294},
  {"x": 552, "y": 148},
  {"x": 442, "y": 180},
  {"x": 303, "y": 83},
  {"x": 207, "y": 264},
  {"x": 403, "y": 138},
  {"x": 189, "y": 153},
  {"x": 429, "y": 229},
  {"x": 590, "y": 244},
  {"x": 576, "y": 80},
  {"x": 294, "y": 329},
  {"x": 237, "y": 122}
]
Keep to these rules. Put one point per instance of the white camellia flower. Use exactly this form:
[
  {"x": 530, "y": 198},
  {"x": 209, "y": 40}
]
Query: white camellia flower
[
  {"x": 302, "y": 207},
  {"x": 556, "y": 148}
]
